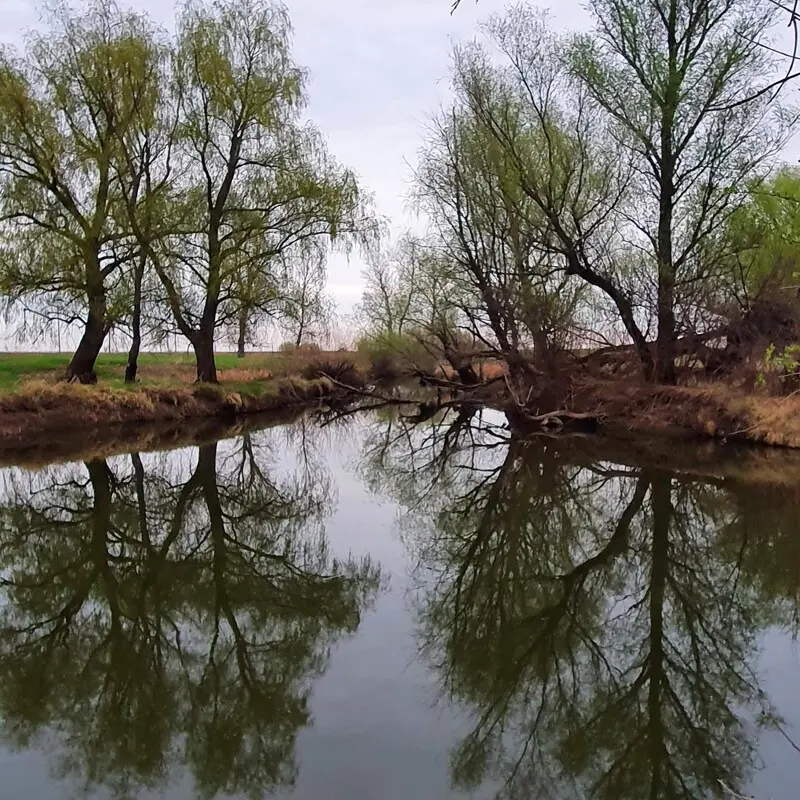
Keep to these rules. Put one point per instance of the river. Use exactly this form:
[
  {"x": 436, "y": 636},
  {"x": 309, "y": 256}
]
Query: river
[{"x": 367, "y": 609}]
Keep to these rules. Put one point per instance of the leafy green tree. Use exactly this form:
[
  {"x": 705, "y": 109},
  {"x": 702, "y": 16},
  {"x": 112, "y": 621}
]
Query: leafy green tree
[
  {"x": 307, "y": 307},
  {"x": 63, "y": 104},
  {"x": 764, "y": 235},
  {"x": 246, "y": 171},
  {"x": 681, "y": 83}
]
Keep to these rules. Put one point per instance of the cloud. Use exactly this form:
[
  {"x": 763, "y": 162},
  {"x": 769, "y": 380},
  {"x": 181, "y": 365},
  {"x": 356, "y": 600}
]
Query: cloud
[{"x": 377, "y": 69}]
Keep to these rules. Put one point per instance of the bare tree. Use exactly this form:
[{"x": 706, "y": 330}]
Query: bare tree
[
  {"x": 507, "y": 278},
  {"x": 634, "y": 146}
]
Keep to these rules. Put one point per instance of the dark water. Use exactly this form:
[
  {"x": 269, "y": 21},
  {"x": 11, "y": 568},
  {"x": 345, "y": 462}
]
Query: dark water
[{"x": 373, "y": 610}]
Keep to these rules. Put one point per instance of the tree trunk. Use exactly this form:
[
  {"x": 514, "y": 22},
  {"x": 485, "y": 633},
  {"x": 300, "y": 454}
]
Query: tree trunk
[
  {"x": 203, "y": 346},
  {"x": 136, "y": 325},
  {"x": 665, "y": 343},
  {"x": 81, "y": 367},
  {"x": 665, "y": 340},
  {"x": 658, "y": 687},
  {"x": 242, "y": 335}
]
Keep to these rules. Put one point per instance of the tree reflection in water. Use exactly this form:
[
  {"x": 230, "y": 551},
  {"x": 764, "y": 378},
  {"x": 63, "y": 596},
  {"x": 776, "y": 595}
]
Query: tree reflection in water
[
  {"x": 171, "y": 612},
  {"x": 602, "y": 621}
]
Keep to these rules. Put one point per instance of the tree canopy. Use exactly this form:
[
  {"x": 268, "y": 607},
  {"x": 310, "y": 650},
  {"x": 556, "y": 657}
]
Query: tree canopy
[{"x": 182, "y": 165}]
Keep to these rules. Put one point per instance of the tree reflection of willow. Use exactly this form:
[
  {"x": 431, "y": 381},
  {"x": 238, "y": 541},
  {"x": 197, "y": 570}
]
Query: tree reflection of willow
[
  {"x": 159, "y": 618},
  {"x": 601, "y": 621}
]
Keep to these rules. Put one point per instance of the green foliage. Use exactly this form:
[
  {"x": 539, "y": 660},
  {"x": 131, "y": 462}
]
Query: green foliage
[
  {"x": 784, "y": 366},
  {"x": 393, "y": 355},
  {"x": 764, "y": 234},
  {"x": 79, "y": 89},
  {"x": 614, "y": 157},
  {"x": 123, "y": 149}
]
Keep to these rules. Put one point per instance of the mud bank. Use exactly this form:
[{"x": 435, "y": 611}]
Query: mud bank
[
  {"x": 55, "y": 423},
  {"x": 707, "y": 412}
]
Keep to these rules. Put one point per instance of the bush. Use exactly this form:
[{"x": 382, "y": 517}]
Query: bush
[
  {"x": 780, "y": 370},
  {"x": 393, "y": 356},
  {"x": 305, "y": 347}
]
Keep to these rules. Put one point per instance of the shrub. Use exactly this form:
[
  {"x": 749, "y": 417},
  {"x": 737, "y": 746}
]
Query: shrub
[
  {"x": 394, "y": 356},
  {"x": 780, "y": 372},
  {"x": 305, "y": 347}
]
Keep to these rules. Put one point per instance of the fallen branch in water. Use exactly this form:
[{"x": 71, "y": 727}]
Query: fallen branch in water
[
  {"x": 552, "y": 421},
  {"x": 556, "y": 420},
  {"x": 359, "y": 392},
  {"x": 398, "y": 401},
  {"x": 427, "y": 409}
]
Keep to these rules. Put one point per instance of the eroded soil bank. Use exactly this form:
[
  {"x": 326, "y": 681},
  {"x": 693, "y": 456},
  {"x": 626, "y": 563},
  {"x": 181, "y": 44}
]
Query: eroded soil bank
[
  {"x": 64, "y": 421},
  {"x": 70, "y": 420},
  {"x": 713, "y": 411}
]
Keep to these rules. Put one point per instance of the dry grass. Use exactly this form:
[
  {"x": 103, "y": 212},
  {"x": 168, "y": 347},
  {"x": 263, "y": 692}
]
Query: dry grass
[
  {"x": 243, "y": 375},
  {"x": 41, "y": 412},
  {"x": 39, "y": 407},
  {"x": 715, "y": 411},
  {"x": 491, "y": 369}
]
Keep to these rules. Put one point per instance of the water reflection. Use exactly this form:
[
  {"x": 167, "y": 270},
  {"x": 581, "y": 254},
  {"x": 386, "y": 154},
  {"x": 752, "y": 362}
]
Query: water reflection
[
  {"x": 601, "y": 621},
  {"x": 169, "y": 613}
]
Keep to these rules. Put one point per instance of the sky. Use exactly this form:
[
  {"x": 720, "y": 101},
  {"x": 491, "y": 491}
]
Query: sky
[{"x": 377, "y": 69}]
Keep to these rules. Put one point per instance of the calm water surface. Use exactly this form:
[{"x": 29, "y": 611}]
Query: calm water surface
[{"x": 372, "y": 610}]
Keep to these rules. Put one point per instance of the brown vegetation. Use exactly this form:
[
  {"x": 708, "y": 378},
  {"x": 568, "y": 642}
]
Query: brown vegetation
[
  {"x": 51, "y": 413},
  {"x": 342, "y": 370},
  {"x": 713, "y": 411}
]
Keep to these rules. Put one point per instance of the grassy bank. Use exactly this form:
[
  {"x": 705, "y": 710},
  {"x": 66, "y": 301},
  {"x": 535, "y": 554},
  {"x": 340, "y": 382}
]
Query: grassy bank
[
  {"x": 37, "y": 411},
  {"x": 61, "y": 409},
  {"x": 17, "y": 370}
]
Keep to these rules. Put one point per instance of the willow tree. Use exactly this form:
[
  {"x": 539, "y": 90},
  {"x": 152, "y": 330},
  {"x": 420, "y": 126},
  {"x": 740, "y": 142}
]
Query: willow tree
[
  {"x": 63, "y": 103},
  {"x": 256, "y": 294},
  {"x": 678, "y": 94},
  {"x": 246, "y": 169},
  {"x": 513, "y": 290}
]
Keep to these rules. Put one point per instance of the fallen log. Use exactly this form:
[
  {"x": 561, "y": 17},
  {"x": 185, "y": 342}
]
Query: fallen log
[{"x": 555, "y": 421}]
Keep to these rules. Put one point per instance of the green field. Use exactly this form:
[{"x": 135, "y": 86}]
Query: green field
[
  {"x": 158, "y": 369},
  {"x": 17, "y": 368}
]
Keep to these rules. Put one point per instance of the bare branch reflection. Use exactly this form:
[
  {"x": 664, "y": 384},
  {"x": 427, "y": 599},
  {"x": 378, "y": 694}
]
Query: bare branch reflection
[
  {"x": 601, "y": 620},
  {"x": 170, "y": 613}
]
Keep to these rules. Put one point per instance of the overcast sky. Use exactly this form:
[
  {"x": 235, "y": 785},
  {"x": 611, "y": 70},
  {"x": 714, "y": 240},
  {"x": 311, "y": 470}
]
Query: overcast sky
[{"x": 378, "y": 67}]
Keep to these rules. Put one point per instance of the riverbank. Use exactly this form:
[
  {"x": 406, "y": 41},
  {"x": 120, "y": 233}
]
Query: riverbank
[
  {"x": 40, "y": 417},
  {"x": 55, "y": 420},
  {"x": 714, "y": 411}
]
